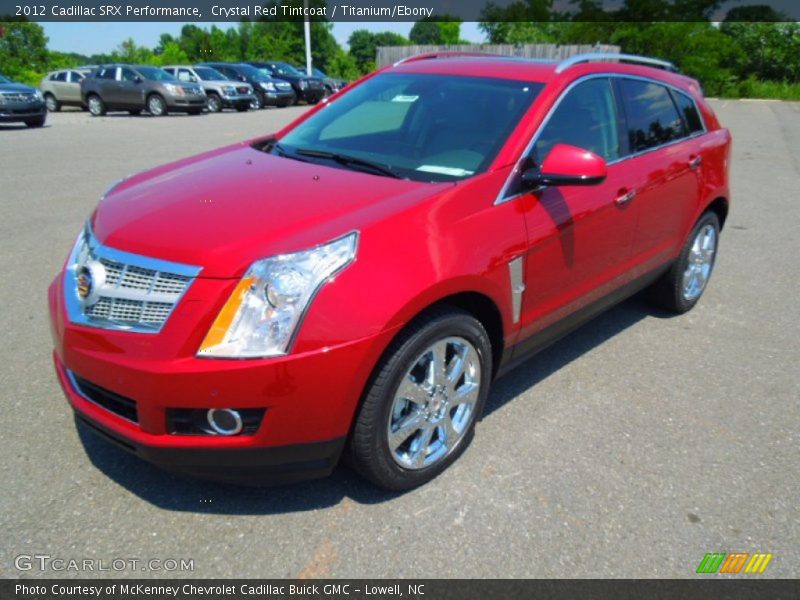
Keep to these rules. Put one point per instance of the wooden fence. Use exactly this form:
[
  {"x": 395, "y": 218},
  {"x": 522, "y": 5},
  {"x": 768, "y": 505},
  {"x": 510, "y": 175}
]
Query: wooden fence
[{"x": 391, "y": 54}]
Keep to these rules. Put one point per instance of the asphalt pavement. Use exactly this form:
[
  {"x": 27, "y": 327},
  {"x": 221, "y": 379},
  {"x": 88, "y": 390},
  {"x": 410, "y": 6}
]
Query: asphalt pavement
[{"x": 629, "y": 449}]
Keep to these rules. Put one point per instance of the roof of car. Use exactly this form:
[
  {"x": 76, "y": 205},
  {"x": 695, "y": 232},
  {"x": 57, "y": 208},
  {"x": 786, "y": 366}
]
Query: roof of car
[{"x": 526, "y": 69}]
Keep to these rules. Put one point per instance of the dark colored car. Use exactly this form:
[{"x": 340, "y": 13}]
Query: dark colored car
[
  {"x": 357, "y": 281},
  {"x": 332, "y": 84},
  {"x": 137, "y": 88},
  {"x": 267, "y": 90},
  {"x": 21, "y": 103},
  {"x": 307, "y": 89}
]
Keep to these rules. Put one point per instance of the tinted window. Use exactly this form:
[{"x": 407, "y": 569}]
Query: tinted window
[
  {"x": 61, "y": 76},
  {"x": 155, "y": 74},
  {"x": 425, "y": 127},
  {"x": 586, "y": 118},
  {"x": 652, "y": 118},
  {"x": 208, "y": 74},
  {"x": 691, "y": 117},
  {"x": 128, "y": 75},
  {"x": 107, "y": 73},
  {"x": 75, "y": 77}
]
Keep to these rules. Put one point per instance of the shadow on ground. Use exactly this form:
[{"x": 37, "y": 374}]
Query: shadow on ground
[{"x": 172, "y": 492}]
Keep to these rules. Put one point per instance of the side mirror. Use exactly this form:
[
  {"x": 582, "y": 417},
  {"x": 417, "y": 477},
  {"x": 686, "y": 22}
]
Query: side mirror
[
  {"x": 566, "y": 165},
  {"x": 137, "y": 79}
]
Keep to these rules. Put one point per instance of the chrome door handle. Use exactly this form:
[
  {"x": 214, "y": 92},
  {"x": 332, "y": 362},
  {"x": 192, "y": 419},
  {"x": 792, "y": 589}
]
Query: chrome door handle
[
  {"x": 625, "y": 198},
  {"x": 695, "y": 162}
]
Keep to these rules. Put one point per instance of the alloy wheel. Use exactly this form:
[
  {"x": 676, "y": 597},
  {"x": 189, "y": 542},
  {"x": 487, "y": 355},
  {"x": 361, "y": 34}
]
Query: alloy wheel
[
  {"x": 700, "y": 262},
  {"x": 434, "y": 405}
]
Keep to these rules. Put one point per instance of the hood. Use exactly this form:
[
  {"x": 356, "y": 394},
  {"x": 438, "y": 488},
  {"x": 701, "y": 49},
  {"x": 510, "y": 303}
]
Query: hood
[
  {"x": 226, "y": 82},
  {"x": 225, "y": 209},
  {"x": 16, "y": 87}
]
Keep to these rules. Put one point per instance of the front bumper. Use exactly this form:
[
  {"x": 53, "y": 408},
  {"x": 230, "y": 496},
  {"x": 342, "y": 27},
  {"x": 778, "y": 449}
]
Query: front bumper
[
  {"x": 309, "y": 398},
  {"x": 186, "y": 102},
  {"x": 279, "y": 98},
  {"x": 10, "y": 113},
  {"x": 237, "y": 100},
  {"x": 312, "y": 95}
]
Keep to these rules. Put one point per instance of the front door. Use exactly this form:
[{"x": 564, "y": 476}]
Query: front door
[{"x": 579, "y": 238}]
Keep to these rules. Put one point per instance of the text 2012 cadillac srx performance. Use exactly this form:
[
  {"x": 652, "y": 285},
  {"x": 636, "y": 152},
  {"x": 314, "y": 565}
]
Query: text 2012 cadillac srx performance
[{"x": 351, "y": 285}]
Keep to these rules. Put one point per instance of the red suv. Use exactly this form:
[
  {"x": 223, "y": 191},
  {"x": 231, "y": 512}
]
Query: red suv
[{"x": 353, "y": 284}]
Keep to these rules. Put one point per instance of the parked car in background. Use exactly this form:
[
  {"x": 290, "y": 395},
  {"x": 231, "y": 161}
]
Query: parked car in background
[
  {"x": 356, "y": 282},
  {"x": 332, "y": 84},
  {"x": 221, "y": 92},
  {"x": 267, "y": 91},
  {"x": 307, "y": 89},
  {"x": 62, "y": 88},
  {"x": 135, "y": 88},
  {"x": 20, "y": 103}
]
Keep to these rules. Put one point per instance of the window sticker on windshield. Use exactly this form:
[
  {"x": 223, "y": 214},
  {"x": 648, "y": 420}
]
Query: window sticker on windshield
[
  {"x": 454, "y": 171},
  {"x": 402, "y": 98}
]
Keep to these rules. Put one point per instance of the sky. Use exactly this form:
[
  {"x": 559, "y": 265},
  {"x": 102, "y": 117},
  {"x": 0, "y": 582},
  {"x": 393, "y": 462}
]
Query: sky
[{"x": 97, "y": 38}]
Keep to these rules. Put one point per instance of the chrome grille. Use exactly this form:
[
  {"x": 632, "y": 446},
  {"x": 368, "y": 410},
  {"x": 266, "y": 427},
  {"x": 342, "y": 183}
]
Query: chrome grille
[
  {"x": 19, "y": 96},
  {"x": 122, "y": 290}
]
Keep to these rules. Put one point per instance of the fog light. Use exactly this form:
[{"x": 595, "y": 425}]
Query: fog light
[{"x": 224, "y": 421}]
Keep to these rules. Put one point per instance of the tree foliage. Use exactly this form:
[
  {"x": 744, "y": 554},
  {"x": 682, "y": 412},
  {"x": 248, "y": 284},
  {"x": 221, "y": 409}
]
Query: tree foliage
[{"x": 440, "y": 30}]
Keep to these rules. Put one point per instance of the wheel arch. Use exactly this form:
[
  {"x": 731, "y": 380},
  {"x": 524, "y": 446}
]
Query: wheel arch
[{"x": 720, "y": 206}]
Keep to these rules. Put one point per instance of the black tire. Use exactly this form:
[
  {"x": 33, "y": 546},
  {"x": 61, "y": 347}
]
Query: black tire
[
  {"x": 51, "y": 103},
  {"x": 36, "y": 122},
  {"x": 214, "y": 103},
  {"x": 668, "y": 292},
  {"x": 368, "y": 448},
  {"x": 135, "y": 112},
  {"x": 258, "y": 101},
  {"x": 156, "y": 105},
  {"x": 96, "y": 105}
]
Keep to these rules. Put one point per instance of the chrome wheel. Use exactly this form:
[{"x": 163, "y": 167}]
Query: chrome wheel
[
  {"x": 95, "y": 106},
  {"x": 51, "y": 103},
  {"x": 699, "y": 262},
  {"x": 434, "y": 405},
  {"x": 155, "y": 105},
  {"x": 214, "y": 103}
]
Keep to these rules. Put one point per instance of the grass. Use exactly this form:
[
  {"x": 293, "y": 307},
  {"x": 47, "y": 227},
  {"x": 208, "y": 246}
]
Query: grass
[{"x": 767, "y": 90}]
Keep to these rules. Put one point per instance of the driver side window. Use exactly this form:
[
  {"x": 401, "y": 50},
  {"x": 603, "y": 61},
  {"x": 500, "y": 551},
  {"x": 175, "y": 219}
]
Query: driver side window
[{"x": 586, "y": 118}]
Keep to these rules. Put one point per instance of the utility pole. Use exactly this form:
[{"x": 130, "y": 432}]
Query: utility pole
[{"x": 307, "y": 31}]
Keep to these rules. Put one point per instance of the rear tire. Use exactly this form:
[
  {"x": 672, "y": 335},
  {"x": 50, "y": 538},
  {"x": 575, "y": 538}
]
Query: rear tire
[
  {"x": 36, "y": 122},
  {"x": 680, "y": 288},
  {"x": 51, "y": 103},
  {"x": 419, "y": 410},
  {"x": 156, "y": 105},
  {"x": 96, "y": 105}
]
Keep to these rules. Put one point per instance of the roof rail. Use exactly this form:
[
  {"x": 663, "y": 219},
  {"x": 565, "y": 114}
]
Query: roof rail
[
  {"x": 611, "y": 57},
  {"x": 442, "y": 54}
]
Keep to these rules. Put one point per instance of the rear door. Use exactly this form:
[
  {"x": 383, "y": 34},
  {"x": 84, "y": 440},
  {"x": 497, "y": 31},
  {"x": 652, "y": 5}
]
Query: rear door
[
  {"x": 72, "y": 91},
  {"x": 579, "y": 237},
  {"x": 130, "y": 90},
  {"x": 663, "y": 155}
]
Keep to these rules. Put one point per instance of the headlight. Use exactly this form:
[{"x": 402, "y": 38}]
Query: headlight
[
  {"x": 173, "y": 89},
  {"x": 2, "y": 99},
  {"x": 229, "y": 91},
  {"x": 265, "y": 310},
  {"x": 268, "y": 85},
  {"x": 38, "y": 95}
]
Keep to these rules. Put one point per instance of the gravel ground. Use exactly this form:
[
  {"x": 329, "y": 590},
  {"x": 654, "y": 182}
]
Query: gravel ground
[{"x": 629, "y": 449}]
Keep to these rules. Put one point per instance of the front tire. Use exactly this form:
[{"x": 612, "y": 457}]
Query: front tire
[
  {"x": 680, "y": 288},
  {"x": 156, "y": 105},
  {"x": 214, "y": 103},
  {"x": 419, "y": 411},
  {"x": 257, "y": 102}
]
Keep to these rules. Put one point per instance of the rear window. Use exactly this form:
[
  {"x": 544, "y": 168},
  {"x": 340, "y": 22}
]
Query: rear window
[
  {"x": 651, "y": 116},
  {"x": 691, "y": 117}
]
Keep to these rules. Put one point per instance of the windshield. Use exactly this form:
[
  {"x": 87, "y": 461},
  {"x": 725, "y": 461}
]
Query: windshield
[
  {"x": 318, "y": 73},
  {"x": 4, "y": 80},
  {"x": 422, "y": 127},
  {"x": 252, "y": 72},
  {"x": 286, "y": 69},
  {"x": 155, "y": 74},
  {"x": 209, "y": 74}
]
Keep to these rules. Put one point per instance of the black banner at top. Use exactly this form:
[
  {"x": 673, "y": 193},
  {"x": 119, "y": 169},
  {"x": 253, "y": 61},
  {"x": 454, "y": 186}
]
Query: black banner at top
[{"x": 398, "y": 10}]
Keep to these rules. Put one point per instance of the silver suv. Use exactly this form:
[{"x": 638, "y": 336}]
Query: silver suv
[
  {"x": 63, "y": 88},
  {"x": 137, "y": 88},
  {"x": 221, "y": 91}
]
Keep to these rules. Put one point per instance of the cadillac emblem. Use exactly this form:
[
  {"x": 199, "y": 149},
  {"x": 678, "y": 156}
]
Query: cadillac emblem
[{"x": 89, "y": 278}]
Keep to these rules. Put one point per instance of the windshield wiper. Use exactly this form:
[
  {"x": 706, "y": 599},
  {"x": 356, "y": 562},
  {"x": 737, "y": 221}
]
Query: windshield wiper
[{"x": 346, "y": 159}]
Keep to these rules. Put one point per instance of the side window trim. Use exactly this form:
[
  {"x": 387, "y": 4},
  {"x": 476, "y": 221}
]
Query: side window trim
[{"x": 502, "y": 197}]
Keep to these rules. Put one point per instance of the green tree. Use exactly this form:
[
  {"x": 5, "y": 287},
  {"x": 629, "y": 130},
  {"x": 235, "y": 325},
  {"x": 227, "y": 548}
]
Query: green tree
[
  {"x": 364, "y": 44},
  {"x": 770, "y": 51},
  {"x": 443, "y": 30},
  {"x": 23, "y": 51}
]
